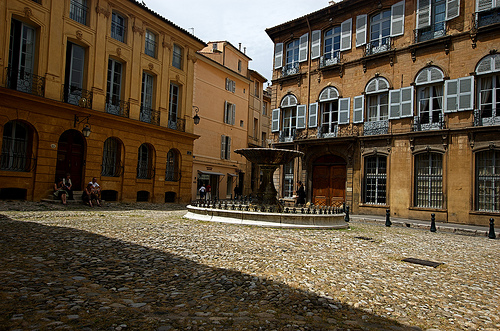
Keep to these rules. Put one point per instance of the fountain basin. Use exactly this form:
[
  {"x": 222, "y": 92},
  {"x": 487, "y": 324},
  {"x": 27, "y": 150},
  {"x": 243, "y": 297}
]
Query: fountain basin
[{"x": 267, "y": 219}]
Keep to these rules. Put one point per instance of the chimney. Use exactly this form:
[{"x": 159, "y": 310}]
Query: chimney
[
  {"x": 244, "y": 50},
  {"x": 239, "y": 46}
]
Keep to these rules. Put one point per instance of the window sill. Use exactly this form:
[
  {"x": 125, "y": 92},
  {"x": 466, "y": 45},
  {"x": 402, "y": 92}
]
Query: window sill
[
  {"x": 367, "y": 205},
  {"x": 484, "y": 213},
  {"x": 428, "y": 209}
]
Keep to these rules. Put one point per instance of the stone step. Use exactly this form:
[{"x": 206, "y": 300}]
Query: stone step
[{"x": 77, "y": 198}]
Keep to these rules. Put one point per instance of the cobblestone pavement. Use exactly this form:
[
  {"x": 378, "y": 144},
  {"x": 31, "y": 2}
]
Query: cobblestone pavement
[{"x": 143, "y": 267}]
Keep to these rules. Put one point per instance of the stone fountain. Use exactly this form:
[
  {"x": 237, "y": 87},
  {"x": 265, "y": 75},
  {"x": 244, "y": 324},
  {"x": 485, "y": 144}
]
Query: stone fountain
[{"x": 265, "y": 209}]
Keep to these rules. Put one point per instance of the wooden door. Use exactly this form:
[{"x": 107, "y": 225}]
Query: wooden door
[
  {"x": 70, "y": 153},
  {"x": 329, "y": 181}
]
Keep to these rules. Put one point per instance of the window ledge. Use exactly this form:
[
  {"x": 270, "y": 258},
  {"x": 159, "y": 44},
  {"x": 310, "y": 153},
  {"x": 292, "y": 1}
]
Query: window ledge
[
  {"x": 484, "y": 213},
  {"x": 367, "y": 205},
  {"x": 428, "y": 209}
]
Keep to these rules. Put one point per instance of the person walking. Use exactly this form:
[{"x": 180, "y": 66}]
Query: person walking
[
  {"x": 301, "y": 194},
  {"x": 202, "y": 191}
]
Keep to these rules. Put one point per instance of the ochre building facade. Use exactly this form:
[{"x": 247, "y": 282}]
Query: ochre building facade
[
  {"x": 396, "y": 105},
  {"x": 95, "y": 89}
]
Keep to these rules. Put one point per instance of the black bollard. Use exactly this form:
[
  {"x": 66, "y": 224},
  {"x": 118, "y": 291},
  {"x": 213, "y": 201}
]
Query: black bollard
[
  {"x": 433, "y": 222},
  {"x": 388, "y": 222},
  {"x": 346, "y": 217},
  {"x": 491, "y": 233}
]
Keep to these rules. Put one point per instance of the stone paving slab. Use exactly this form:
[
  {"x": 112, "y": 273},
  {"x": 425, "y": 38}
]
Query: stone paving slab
[{"x": 143, "y": 267}]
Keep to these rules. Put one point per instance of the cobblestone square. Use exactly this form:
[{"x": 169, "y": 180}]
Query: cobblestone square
[{"x": 144, "y": 267}]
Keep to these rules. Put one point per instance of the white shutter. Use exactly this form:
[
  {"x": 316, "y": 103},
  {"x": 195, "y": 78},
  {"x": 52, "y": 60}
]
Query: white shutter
[
  {"x": 465, "y": 90},
  {"x": 275, "y": 120},
  {"x": 228, "y": 149},
  {"x": 345, "y": 35},
  {"x": 301, "y": 116},
  {"x": 223, "y": 147},
  {"x": 233, "y": 114},
  {"x": 344, "y": 109},
  {"x": 278, "y": 56},
  {"x": 359, "y": 108},
  {"x": 450, "y": 95},
  {"x": 398, "y": 19},
  {"x": 483, "y": 5},
  {"x": 313, "y": 115},
  {"x": 394, "y": 104},
  {"x": 315, "y": 44},
  {"x": 423, "y": 13},
  {"x": 407, "y": 101},
  {"x": 303, "y": 43},
  {"x": 452, "y": 9},
  {"x": 361, "y": 30}
]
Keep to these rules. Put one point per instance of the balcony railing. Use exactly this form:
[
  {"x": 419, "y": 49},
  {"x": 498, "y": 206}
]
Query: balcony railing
[
  {"x": 480, "y": 119},
  {"x": 111, "y": 167},
  {"x": 287, "y": 136},
  {"x": 485, "y": 18},
  {"x": 378, "y": 46},
  {"x": 325, "y": 61},
  {"x": 178, "y": 124},
  {"x": 149, "y": 115},
  {"x": 324, "y": 132},
  {"x": 117, "y": 107},
  {"x": 25, "y": 81},
  {"x": 422, "y": 123},
  {"x": 78, "y": 12},
  {"x": 290, "y": 69},
  {"x": 431, "y": 32},
  {"x": 16, "y": 161},
  {"x": 77, "y": 96},
  {"x": 376, "y": 128}
]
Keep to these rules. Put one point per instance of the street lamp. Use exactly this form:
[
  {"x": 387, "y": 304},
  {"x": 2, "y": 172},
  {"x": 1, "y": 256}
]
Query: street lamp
[
  {"x": 86, "y": 127},
  {"x": 196, "y": 118}
]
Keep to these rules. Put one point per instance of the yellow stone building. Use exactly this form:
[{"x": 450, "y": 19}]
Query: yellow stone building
[
  {"x": 230, "y": 102},
  {"x": 95, "y": 89},
  {"x": 396, "y": 105}
]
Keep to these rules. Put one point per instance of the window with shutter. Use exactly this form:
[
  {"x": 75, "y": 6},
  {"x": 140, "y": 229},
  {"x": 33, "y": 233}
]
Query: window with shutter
[
  {"x": 394, "y": 104},
  {"x": 344, "y": 110},
  {"x": 301, "y": 116},
  {"x": 346, "y": 33},
  {"x": 303, "y": 47},
  {"x": 452, "y": 9},
  {"x": 359, "y": 108},
  {"x": 278, "y": 56},
  {"x": 458, "y": 94},
  {"x": 313, "y": 115},
  {"x": 432, "y": 16},
  {"x": 275, "y": 120},
  {"x": 361, "y": 22},
  {"x": 223, "y": 147},
  {"x": 398, "y": 19},
  {"x": 331, "y": 50},
  {"x": 315, "y": 44},
  {"x": 407, "y": 101},
  {"x": 329, "y": 118}
]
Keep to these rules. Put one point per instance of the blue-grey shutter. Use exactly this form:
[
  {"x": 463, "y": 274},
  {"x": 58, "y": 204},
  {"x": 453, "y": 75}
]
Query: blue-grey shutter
[
  {"x": 452, "y": 9},
  {"x": 275, "y": 120},
  {"x": 313, "y": 115},
  {"x": 301, "y": 116},
  {"x": 278, "y": 55},
  {"x": 303, "y": 45},
  {"x": 361, "y": 22},
  {"x": 450, "y": 95},
  {"x": 344, "y": 110},
  {"x": 359, "y": 109},
  {"x": 407, "y": 101},
  {"x": 346, "y": 35},
  {"x": 398, "y": 19},
  {"x": 394, "y": 104},
  {"x": 423, "y": 13},
  {"x": 484, "y": 5},
  {"x": 223, "y": 147},
  {"x": 228, "y": 148},
  {"x": 315, "y": 44},
  {"x": 233, "y": 113}
]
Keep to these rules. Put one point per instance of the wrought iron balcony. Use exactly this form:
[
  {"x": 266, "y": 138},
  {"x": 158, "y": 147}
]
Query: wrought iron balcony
[
  {"x": 117, "y": 107},
  {"x": 78, "y": 12},
  {"x": 290, "y": 69},
  {"x": 376, "y": 128},
  {"x": 144, "y": 171},
  {"x": 482, "y": 118},
  {"x": 287, "y": 136},
  {"x": 25, "y": 81},
  {"x": 378, "y": 46},
  {"x": 430, "y": 32},
  {"x": 149, "y": 115},
  {"x": 111, "y": 167},
  {"x": 326, "y": 61},
  {"x": 485, "y": 18},
  {"x": 422, "y": 123},
  {"x": 177, "y": 123},
  {"x": 77, "y": 96},
  {"x": 324, "y": 132}
]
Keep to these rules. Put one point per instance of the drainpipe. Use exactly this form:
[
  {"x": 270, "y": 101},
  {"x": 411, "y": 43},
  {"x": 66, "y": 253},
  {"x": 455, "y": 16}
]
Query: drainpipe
[{"x": 308, "y": 182}]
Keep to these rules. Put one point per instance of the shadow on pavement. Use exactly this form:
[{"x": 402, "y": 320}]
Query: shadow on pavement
[{"x": 57, "y": 277}]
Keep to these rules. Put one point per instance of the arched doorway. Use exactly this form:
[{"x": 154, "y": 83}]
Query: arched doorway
[
  {"x": 329, "y": 180},
  {"x": 70, "y": 157}
]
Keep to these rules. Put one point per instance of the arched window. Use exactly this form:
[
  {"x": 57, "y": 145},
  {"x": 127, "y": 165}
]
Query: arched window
[
  {"x": 145, "y": 162},
  {"x": 172, "y": 173},
  {"x": 289, "y": 120},
  {"x": 488, "y": 81},
  {"x": 111, "y": 158},
  {"x": 377, "y": 94},
  {"x": 331, "y": 50},
  {"x": 329, "y": 103},
  {"x": 488, "y": 181},
  {"x": 429, "y": 83},
  {"x": 16, "y": 147},
  {"x": 429, "y": 180}
]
